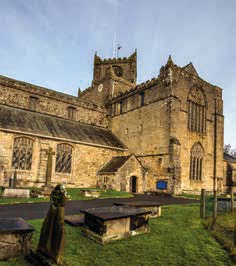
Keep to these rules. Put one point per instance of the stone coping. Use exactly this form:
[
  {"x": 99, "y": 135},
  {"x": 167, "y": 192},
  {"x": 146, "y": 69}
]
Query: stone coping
[
  {"x": 115, "y": 212},
  {"x": 15, "y": 225},
  {"x": 139, "y": 203}
]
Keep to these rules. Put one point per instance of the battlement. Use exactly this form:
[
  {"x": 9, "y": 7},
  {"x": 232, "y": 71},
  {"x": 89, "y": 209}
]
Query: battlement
[{"x": 125, "y": 67}]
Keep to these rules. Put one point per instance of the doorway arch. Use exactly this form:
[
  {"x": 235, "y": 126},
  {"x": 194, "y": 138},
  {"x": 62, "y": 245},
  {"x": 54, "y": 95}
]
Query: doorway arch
[{"x": 133, "y": 184}]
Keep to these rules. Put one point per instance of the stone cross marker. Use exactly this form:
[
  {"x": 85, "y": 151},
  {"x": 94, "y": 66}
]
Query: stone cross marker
[
  {"x": 52, "y": 237},
  {"x": 49, "y": 153},
  {"x": 14, "y": 179}
]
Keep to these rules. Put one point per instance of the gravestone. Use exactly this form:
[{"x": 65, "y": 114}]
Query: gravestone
[{"x": 52, "y": 237}]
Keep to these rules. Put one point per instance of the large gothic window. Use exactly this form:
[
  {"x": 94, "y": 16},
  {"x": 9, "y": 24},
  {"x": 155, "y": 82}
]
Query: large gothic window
[
  {"x": 196, "y": 161},
  {"x": 22, "y": 153},
  {"x": 196, "y": 110},
  {"x": 64, "y": 158}
]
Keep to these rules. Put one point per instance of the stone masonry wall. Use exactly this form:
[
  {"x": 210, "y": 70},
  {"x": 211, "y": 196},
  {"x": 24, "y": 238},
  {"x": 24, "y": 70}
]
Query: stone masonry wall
[
  {"x": 17, "y": 94},
  {"x": 144, "y": 129},
  {"x": 86, "y": 161},
  {"x": 179, "y": 129}
]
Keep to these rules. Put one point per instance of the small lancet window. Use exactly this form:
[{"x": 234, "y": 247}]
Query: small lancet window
[
  {"x": 64, "y": 158},
  {"x": 121, "y": 106},
  {"x": 71, "y": 112},
  {"x": 142, "y": 98},
  {"x": 33, "y": 103}
]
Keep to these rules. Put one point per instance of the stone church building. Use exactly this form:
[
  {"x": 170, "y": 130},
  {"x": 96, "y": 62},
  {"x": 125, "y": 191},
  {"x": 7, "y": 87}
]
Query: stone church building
[{"x": 166, "y": 133}]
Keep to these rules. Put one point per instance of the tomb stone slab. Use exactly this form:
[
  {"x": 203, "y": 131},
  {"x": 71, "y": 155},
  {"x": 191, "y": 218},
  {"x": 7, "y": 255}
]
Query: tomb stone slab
[
  {"x": 154, "y": 207},
  {"x": 15, "y": 193},
  {"x": 15, "y": 237},
  {"x": 90, "y": 193}
]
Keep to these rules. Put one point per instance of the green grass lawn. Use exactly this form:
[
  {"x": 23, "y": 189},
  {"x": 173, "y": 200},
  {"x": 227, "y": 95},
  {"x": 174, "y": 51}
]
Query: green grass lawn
[
  {"x": 74, "y": 194},
  {"x": 223, "y": 231},
  {"x": 176, "y": 238}
]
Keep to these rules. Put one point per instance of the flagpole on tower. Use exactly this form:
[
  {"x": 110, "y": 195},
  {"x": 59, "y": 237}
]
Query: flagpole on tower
[{"x": 114, "y": 45}]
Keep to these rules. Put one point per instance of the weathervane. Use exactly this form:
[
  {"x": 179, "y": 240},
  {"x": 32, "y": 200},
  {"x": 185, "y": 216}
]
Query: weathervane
[{"x": 118, "y": 48}]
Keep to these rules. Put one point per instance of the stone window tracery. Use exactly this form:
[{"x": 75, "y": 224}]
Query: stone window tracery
[
  {"x": 22, "y": 153},
  {"x": 196, "y": 161},
  {"x": 64, "y": 158},
  {"x": 196, "y": 110}
]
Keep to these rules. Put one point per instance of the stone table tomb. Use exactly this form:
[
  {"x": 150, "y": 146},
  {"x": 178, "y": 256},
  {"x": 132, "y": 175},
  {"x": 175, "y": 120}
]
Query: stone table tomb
[
  {"x": 15, "y": 237},
  {"x": 107, "y": 224},
  {"x": 15, "y": 193}
]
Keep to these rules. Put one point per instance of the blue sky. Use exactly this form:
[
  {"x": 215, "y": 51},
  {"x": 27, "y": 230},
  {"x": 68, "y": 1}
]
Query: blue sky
[{"x": 52, "y": 42}]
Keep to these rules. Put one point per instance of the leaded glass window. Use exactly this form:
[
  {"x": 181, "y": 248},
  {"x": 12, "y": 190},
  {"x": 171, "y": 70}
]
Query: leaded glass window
[
  {"x": 196, "y": 160},
  {"x": 22, "y": 153},
  {"x": 196, "y": 110},
  {"x": 64, "y": 158}
]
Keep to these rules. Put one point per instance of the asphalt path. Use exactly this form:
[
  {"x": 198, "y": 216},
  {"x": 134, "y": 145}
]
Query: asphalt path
[{"x": 31, "y": 211}]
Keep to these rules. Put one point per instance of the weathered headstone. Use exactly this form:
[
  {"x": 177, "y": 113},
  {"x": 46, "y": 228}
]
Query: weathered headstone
[{"x": 52, "y": 237}]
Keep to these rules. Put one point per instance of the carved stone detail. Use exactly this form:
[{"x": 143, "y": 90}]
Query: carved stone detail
[{"x": 196, "y": 95}]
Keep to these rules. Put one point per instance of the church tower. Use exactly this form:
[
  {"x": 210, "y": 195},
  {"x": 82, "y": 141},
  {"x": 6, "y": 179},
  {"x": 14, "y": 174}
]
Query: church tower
[
  {"x": 110, "y": 77},
  {"x": 125, "y": 68}
]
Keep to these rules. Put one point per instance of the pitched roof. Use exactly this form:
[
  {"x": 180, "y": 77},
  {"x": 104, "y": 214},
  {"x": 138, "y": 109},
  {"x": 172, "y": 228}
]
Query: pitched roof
[
  {"x": 29, "y": 122},
  {"x": 113, "y": 165},
  {"x": 230, "y": 158},
  {"x": 191, "y": 69}
]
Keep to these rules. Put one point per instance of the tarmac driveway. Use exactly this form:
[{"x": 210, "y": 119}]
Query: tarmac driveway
[{"x": 31, "y": 211}]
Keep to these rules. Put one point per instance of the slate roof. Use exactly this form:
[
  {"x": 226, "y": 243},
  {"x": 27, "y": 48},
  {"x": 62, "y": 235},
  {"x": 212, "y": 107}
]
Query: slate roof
[
  {"x": 113, "y": 165},
  {"x": 230, "y": 158},
  {"x": 30, "y": 122}
]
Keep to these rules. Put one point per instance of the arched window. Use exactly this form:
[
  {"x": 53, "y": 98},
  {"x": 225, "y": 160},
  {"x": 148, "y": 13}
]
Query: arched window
[
  {"x": 22, "y": 153},
  {"x": 118, "y": 71},
  {"x": 64, "y": 158},
  {"x": 196, "y": 160},
  {"x": 196, "y": 110}
]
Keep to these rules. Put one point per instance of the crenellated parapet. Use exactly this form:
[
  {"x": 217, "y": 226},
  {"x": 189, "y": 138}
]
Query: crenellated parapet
[{"x": 125, "y": 67}]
